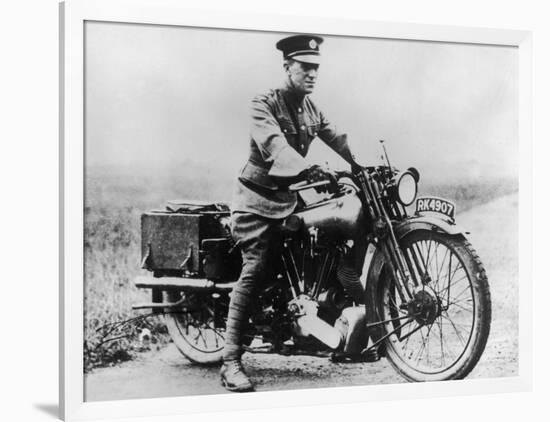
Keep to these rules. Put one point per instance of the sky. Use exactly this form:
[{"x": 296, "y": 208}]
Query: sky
[{"x": 158, "y": 96}]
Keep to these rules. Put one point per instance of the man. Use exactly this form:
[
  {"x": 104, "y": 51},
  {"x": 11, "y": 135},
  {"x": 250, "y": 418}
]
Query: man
[{"x": 284, "y": 123}]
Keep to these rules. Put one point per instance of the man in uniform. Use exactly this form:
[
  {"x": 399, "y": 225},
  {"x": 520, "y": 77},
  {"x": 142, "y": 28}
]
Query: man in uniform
[{"x": 284, "y": 123}]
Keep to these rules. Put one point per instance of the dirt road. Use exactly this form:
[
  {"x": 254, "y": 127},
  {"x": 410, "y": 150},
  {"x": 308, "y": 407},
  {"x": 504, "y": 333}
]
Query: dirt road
[{"x": 167, "y": 373}]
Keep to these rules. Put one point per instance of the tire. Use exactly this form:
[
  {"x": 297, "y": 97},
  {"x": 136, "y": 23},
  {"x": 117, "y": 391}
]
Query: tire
[
  {"x": 454, "y": 307},
  {"x": 196, "y": 328}
]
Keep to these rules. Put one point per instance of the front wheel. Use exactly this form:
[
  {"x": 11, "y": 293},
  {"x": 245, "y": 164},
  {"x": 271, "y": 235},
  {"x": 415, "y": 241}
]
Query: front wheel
[
  {"x": 197, "y": 327},
  {"x": 441, "y": 333}
]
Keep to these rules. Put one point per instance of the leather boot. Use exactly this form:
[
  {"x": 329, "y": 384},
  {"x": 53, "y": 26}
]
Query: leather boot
[{"x": 234, "y": 378}]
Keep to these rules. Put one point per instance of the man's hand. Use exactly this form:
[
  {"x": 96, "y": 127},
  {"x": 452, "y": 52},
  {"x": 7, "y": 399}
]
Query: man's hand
[{"x": 316, "y": 173}]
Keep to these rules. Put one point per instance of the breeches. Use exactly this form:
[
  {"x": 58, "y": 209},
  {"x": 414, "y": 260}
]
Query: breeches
[{"x": 256, "y": 237}]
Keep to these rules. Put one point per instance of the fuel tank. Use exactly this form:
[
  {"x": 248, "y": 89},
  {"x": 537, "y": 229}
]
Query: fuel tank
[{"x": 338, "y": 217}]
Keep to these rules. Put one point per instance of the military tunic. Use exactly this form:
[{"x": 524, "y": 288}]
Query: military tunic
[{"x": 283, "y": 126}]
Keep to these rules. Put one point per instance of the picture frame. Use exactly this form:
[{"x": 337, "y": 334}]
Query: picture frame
[{"x": 73, "y": 15}]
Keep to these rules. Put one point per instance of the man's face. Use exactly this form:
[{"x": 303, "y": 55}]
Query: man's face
[{"x": 302, "y": 76}]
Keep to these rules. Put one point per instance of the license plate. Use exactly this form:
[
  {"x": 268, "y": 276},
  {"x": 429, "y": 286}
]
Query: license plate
[{"x": 436, "y": 205}]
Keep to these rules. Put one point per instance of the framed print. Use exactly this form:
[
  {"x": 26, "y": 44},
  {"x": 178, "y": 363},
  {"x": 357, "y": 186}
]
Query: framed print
[{"x": 264, "y": 212}]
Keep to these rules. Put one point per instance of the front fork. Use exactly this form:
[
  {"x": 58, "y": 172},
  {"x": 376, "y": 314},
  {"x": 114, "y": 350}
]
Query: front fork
[
  {"x": 399, "y": 262},
  {"x": 396, "y": 265}
]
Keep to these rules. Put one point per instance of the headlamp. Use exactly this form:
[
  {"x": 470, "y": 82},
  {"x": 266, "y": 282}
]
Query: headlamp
[{"x": 406, "y": 186}]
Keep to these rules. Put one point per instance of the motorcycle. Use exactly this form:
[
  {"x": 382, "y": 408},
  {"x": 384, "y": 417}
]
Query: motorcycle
[{"x": 425, "y": 302}]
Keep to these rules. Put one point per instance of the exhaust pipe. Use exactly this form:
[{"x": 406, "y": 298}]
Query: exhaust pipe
[
  {"x": 189, "y": 284},
  {"x": 177, "y": 283},
  {"x": 308, "y": 323}
]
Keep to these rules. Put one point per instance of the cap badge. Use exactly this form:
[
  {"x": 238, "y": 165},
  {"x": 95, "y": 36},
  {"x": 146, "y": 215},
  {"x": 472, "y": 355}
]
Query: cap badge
[{"x": 312, "y": 44}]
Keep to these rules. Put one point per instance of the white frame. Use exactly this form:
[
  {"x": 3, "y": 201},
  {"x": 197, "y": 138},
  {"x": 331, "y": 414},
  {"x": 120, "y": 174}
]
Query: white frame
[{"x": 73, "y": 14}]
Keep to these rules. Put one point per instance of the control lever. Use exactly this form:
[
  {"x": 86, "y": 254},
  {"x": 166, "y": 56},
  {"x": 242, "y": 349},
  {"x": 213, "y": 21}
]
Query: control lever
[{"x": 296, "y": 187}]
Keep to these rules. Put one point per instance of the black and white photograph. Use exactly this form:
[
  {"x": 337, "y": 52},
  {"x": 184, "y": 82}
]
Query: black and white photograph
[{"x": 268, "y": 211}]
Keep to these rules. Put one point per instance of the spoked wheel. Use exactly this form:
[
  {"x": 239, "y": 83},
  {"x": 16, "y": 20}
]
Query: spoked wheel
[
  {"x": 197, "y": 327},
  {"x": 441, "y": 332}
]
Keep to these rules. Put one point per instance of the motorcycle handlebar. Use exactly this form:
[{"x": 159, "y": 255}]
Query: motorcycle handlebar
[{"x": 296, "y": 187}]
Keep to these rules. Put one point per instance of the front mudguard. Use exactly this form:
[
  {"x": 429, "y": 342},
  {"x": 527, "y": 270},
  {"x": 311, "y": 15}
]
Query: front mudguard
[
  {"x": 426, "y": 222},
  {"x": 407, "y": 226},
  {"x": 376, "y": 265}
]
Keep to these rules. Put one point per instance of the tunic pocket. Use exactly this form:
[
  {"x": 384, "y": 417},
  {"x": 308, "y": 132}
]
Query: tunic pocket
[
  {"x": 313, "y": 131},
  {"x": 287, "y": 127}
]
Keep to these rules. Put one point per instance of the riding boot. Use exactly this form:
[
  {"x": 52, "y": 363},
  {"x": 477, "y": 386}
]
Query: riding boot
[
  {"x": 234, "y": 378},
  {"x": 237, "y": 318}
]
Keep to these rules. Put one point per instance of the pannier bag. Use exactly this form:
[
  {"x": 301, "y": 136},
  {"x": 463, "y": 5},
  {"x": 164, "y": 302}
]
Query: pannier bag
[{"x": 190, "y": 239}]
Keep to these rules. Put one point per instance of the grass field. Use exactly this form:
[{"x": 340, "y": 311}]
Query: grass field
[{"x": 113, "y": 205}]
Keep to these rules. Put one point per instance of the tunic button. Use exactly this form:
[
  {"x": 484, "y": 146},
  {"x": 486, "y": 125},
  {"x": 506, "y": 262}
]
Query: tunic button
[
  {"x": 284, "y": 130},
  {"x": 303, "y": 127},
  {"x": 301, "y": 146},
  {"x": 300, "y": 110}
]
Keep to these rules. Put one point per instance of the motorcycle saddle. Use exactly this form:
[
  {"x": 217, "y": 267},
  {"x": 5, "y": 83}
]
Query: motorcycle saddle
[{"x": 186, "y": 206}]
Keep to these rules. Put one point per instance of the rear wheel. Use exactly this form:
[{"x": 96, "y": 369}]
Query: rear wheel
[
  {"x": 197, "y": 327},
  {"x": 439, "y": 334}
]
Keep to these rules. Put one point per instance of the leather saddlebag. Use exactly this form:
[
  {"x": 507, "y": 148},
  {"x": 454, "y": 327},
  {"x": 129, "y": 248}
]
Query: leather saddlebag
[{"x": 191, "y": 239}]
